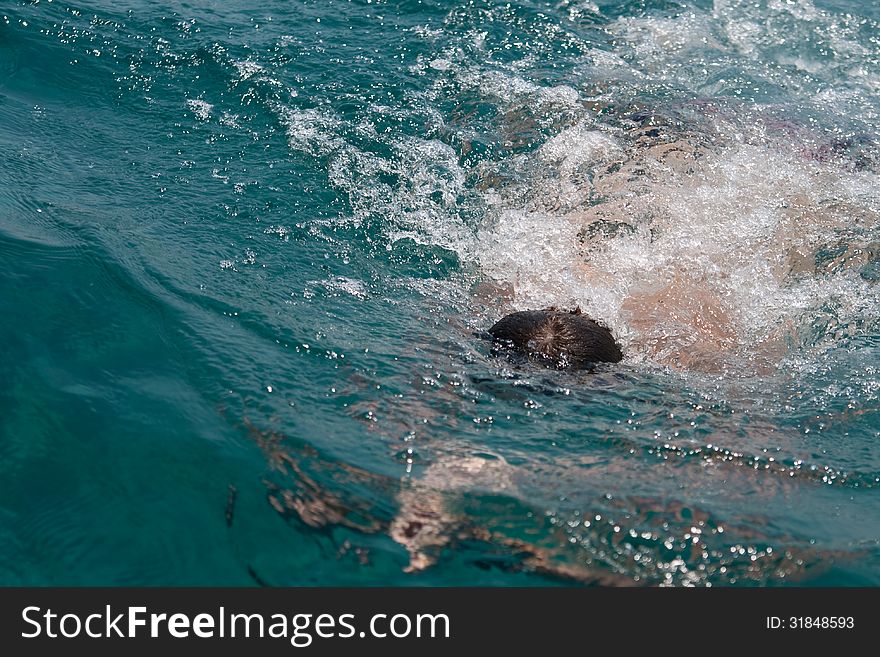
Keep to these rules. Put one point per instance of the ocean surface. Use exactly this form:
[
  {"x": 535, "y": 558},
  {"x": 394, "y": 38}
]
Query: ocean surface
[{"x": 249, "y": 251}]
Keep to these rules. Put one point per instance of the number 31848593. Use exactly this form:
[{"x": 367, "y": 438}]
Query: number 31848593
[{"x": 811, "y": 622}]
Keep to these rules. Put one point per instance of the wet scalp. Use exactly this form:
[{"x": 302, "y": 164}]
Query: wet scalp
[{"x": 560, "y": 339}]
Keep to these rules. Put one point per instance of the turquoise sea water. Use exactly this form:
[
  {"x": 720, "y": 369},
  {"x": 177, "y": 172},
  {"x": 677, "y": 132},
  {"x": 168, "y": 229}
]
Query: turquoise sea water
[{"x": 247, "y": 250}]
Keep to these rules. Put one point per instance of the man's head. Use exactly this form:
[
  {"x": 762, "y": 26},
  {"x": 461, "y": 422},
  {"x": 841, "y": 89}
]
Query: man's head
[{"x": 564, "y": 340}]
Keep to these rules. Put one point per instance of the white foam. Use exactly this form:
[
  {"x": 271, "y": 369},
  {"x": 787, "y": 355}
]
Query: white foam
[
  {"x": 247, "y": 69},
  {"x": 311, "y": 131},
  {"x": 344, "y": 284},
  {"x": 577, "y": 146},
  {"x": 417, "y": 193},
  {"x": 200, "y": 108}
]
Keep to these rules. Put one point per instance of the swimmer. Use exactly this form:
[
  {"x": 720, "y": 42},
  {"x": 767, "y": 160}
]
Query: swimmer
[{"x": 559, "y": 339}]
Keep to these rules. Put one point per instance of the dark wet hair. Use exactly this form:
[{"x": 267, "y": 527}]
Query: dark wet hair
[{"x": 556, "y": 338}]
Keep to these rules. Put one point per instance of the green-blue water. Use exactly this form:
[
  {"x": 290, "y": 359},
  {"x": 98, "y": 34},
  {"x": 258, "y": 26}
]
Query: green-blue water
[{"x": 247, "y": 250}]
